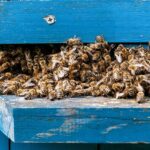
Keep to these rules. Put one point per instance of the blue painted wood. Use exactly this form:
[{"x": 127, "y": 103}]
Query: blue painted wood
[
  {"x": 75, "y": 120},
  {"x": 124, "y": 147},
  {"x": 3, "y": 142},
  {"x": 45, "y": 146},
  {"x": 118, "y": 21}
]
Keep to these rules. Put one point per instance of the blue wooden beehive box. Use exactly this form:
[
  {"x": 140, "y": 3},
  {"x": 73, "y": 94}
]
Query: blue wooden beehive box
[{"x": 75, "y": 120}]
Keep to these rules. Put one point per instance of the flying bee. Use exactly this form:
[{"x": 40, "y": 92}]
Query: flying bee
[
  {"x": 32, "y": 93},
  {"x": 5, "y": 66},
  {"x": 29, "y": 60},
  {"x": 140, "y": 97},
  {"x": 73, "y": 41}
]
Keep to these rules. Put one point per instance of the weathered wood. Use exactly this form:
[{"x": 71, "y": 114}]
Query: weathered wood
[
  {"x": 118, "y": 21},
  {"x": 75, "y": 120}
]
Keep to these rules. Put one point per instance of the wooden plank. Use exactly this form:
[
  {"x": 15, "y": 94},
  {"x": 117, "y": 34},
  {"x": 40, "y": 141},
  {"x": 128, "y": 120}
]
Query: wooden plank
[
  {"x": 125, "y": 146},
  {"x": 4, "y": 143},
  {"x": 118, "y": 21},
  {"x": 46, "y": 146},
  {"x": 76, "y": 120}
]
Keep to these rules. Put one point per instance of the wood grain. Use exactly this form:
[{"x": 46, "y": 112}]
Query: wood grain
[
  {"x": 75, "y": 120},
  {"x": 118, "y": 21}
]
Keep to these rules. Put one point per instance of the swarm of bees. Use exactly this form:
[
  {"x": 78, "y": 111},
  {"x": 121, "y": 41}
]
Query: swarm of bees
[{"x": 77, "y": 69}]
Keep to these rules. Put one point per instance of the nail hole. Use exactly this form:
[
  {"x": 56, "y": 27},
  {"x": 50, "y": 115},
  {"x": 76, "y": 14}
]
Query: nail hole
[{"x": 50, "y": 19}]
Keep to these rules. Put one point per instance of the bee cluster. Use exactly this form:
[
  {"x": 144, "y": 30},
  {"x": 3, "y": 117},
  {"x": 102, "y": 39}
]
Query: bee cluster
[{"x": 76, "y": 70}]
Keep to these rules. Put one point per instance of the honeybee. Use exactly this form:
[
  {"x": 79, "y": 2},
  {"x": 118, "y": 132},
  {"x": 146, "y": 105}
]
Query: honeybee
[
  {"x": 107, "y": 58},
  {"x": 101, "y": 65},
  {"x": 104, "y": 90},
  {"x": 22, "y": 92},
  {"x": 117, "y": 74},
  {"x": 73, "y": 41},
  {"x": 43, "y": 65},
  {"x": 32, "y": 93},
  {"x": 29, "y": 60},
  {"x": 140, "y": 97},
  {"x": 100, "y": 39},
  {"x": 23, "y": 64},
  {"x": 36, "y": 67},
  {"x": 85, "y": 57},
  {"x": 118, "y": 87},
  {"x": 95, "y": 67},
  {"x": 7, "y": 75},
  {"x": 61, "y": 73},
  {"x": 42, "y": 86},
  {"x": 29, "y": 83},
  {"x": 96, "y": 56},
  {"x": 4, "y": 66},
  {"x": 124, "y": 65},
  {"x": 17, "y": 51},
  {"x": 130, "y": 90}
]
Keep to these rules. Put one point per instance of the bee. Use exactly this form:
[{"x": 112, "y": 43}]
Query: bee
[
  {"x": 4, "y": 76},
  {"x": 36, "y": 67},
  {"x": 23, "y": 64},
  {"x": 95, "y": 67},
  {"x": 130, "y": 90},
  {"x": 100, "y": 39},
  {"x": 107, "y": 58},
  {"x": 124, "y": 65},
  {"x": 73, "y": 41},
  {"x": 102, "y": 66},
  {"x": 42, "y": 86},
  {"x": 5, "y": 66},
  {"x": 117, "y": 74},
  {"x": 96, "y": 56},
  {"x": 140, "y": 97},
  {"x": 118, "y": 87},
  {"x": 51, "y": 92},
  {"x": 127, "y": 77},
  {"x": 29, "y": 60},
  {"x": 85, "y": 57},
  {"x": 104, "y": 90},
  {"x": 17, "y": 51},
  {"x": 61, "y": 73},
  {"x": 3, "y": 56},
  {"x": 32, "y": 93},
  {"x": 30, "y": 83},
  {"x": 43, "y": 65},
  {"x": 22, "y": 92}
]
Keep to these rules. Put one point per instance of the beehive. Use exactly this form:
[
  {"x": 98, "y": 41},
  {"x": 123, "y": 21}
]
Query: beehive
[{"x": 103, "y": 120}]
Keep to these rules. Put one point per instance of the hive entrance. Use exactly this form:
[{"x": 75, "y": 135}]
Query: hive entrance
[{"x": 75, "y": 69}]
